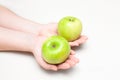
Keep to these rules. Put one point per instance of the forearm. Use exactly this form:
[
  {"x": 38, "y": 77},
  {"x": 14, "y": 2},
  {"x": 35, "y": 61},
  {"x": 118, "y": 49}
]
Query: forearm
[
  {"x": 14, "y": 40},
  {"x": 10, "y": 20}
]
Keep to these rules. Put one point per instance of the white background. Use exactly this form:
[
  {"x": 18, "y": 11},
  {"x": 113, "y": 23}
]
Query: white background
[{"x": 99, "y": 56}]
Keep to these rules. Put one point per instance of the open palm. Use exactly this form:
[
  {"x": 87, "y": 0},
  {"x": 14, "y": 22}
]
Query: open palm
[
  {"x": 70, "y": 62},
  {"x": 51, "y": 29}
]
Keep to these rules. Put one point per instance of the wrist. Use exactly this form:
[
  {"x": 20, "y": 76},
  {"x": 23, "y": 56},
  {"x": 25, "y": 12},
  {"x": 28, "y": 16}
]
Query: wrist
[
  {"x": 35, "y": 28},
  {"x": 31, "y": 41},
  {"x": 31, "y": 26}
]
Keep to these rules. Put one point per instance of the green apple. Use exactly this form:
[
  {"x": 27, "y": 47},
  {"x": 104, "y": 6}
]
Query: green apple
[
  {"x": 55, "y": 50},
  {"x": 70, "y": 28}
]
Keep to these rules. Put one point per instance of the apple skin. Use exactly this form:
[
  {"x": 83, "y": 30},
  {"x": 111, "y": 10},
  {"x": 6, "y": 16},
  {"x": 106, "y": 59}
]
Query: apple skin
[
  {"x": 70, "y": 28},
  {"x": 55, "y": 50}
]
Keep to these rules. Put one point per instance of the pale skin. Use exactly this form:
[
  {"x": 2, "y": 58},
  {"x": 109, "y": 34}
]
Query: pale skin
[{"x": 19, "y": 34}]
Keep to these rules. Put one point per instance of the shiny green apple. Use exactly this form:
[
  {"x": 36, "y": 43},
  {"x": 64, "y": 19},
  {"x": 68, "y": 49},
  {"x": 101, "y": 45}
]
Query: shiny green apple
[
  {"x": 70, "y": 28},
  {"x": 55, "y": 50}
]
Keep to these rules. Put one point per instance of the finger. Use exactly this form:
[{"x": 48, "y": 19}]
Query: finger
[
  {"x": 72, "y": 52},
  {"x": 73, "y": 43},
  {"x": 72, "y": 57},
  {"x": 71, "y": 62},
  {"x": 68, "y": 63},
  {"x": 85, "y": 37},
  {"x": 82, "y": 39},
  {"x": 64, "y": 66},
  {"x": 79, "y": 41}
]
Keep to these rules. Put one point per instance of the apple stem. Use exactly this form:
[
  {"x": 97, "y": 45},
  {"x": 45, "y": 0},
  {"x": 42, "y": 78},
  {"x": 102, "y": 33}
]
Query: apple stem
[
  {"x": 53, "y": 46},
  {"x": 71, "y": 20}
]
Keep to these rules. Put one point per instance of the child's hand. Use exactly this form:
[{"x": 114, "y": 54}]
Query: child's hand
[
  {"x": 51, "y": 29},
  {"x": 70, "y": 62}
]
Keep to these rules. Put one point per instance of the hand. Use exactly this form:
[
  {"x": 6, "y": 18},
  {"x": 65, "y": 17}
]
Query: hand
[
  {"x": 70, "y": 62},
  {"x": 46, "y": 31},
  {"x": 51, "y": 29}
]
